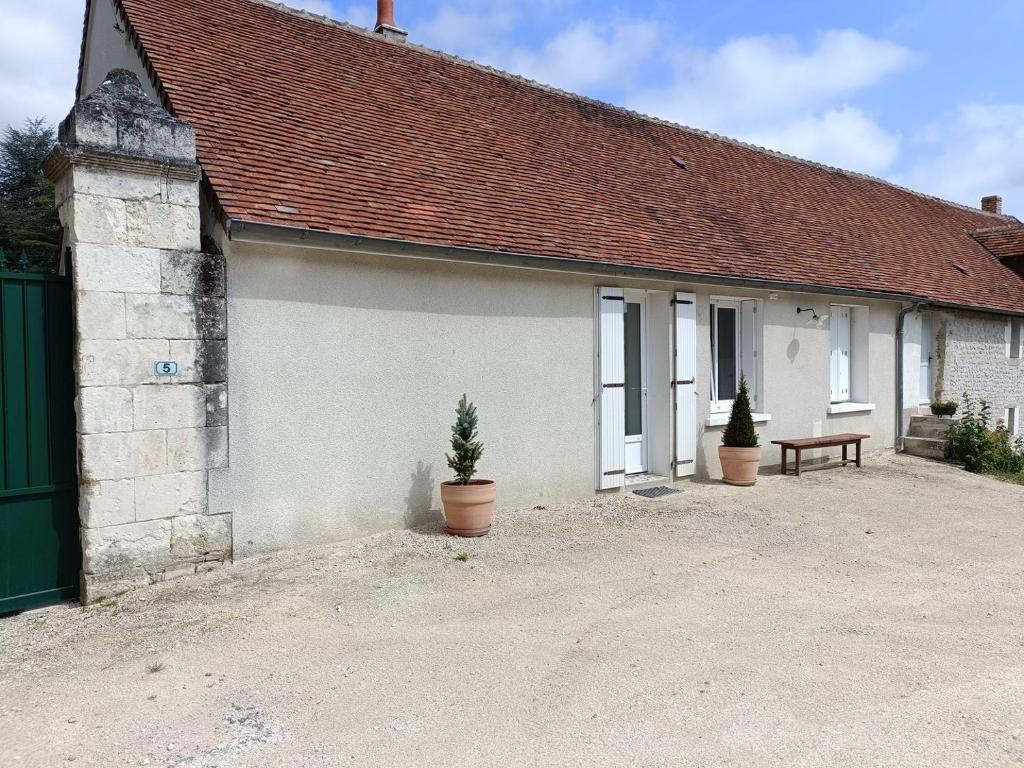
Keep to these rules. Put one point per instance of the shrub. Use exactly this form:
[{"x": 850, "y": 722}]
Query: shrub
[
  {"x": 466, "y": 449},
  {"x": 739, "y": 432},
  {"x": 979, "y": 448},
  {"x": 944, "y": 407}
]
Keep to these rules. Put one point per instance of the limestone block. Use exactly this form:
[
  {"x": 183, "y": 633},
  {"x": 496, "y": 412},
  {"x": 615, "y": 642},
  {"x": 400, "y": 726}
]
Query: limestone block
[
  {"x": 216, "y": 405},
  {"x": 104, "y": 409},
  {"x": 118, "y": 455},
  {"x": 117, "y": 269},
  {"x": 179, "y": 192},
  {"x": 94, "y": 128},
  {"x": 159, "y": 316},
  {"x": 63, "y": 188},
  {"x": 100, "y": 220},
  {"x": 183, "y": 493},
  {"x": 204, "y": 361},
  {"x": 158, "y": 138},
  {"x": 192, "y": 273},
  {"x": 122, "y": 185},
  {"x": 201, "y": 535},
  {"x": 212, "y": 317},
  {"x": 195, "y": 449},
  {"x": 161, "y": 225},
  {"x": 100, "y": 315},
  {"x": 122, "y": 547},
  {"x": 169, "y": 406},
  {"x": 119, "y": 361},
  {"x": 107, "y": 502},
  {"x": 97, "y": 586}
]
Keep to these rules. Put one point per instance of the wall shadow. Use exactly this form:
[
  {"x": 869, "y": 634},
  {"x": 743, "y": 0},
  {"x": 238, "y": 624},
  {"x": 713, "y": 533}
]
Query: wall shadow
[{"x": 419, "y": 510}]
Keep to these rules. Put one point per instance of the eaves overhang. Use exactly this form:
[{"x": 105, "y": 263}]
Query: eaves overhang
[{"x": 240, "y": 230}]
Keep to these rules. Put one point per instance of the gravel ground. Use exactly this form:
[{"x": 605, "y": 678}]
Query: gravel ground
[{"x": 854, "y": 618}]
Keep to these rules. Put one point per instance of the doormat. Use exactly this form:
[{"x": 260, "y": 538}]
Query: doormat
[{"x": 656, "y": 492}]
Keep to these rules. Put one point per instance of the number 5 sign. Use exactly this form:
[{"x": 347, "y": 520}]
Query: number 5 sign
[{"x": 166, "y": 368}]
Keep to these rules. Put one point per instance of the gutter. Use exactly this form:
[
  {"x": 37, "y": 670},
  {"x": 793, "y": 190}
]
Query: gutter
[
  {"x": 302, "y": 237},
  {"x": 900, "y": 327}
]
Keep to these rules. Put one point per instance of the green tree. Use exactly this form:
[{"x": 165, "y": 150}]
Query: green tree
[
  {"x": 739, "y": 432},
  {"x": 28, "y": 215},
  {"x": 466, "y": 449}
]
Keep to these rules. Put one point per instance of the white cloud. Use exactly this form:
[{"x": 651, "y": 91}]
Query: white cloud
[
  {"x": 321, "y": 7},
  {"x": 774, "y": 92},
  {"x": 584, "y": 56},
  {"x": 750, "y": 78},
  {"x": 843, "y": 137},
  {"x": 476, "y": 30},
  {"x": 39, "y": 45},
  {"x": 360, "y": 14},
  {"x": 977, "y": 151}
]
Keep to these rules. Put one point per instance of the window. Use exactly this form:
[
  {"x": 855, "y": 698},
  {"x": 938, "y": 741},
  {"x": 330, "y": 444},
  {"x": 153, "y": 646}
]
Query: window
[
  {"x": 849, "y": 329},
  {"x": 735, "y": 344},
  {"x": 1014, "y": 338},
  {"x": 1013, "y": 424}
]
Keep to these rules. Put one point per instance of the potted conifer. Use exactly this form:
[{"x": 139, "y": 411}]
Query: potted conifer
[
  {"x": 740, "y": 452},
  {"x": 468, "y": 503}
]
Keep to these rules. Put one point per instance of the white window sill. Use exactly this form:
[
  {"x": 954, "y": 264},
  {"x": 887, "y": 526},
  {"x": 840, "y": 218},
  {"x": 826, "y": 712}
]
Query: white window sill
[
  {"x": 721, "y": 419},
  {"x": 851, "y": 408}
]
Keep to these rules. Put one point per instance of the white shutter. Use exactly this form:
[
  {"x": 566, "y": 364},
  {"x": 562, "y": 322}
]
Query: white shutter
[
  {"x": 611, "y": 388},
  {"x": 685, "y": 383},
  {"x": 1007, "y": 336},
  {"x": 749, "y": 352},
  {"x": 844, "y": 354},
  {"x": 833, "y": 360},
  {"x": 840, "y": 331}
]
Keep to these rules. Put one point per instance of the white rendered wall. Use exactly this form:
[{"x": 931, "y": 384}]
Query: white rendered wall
[
  {"x": 107, "y": 48},
  {"x": 345, "y": 371}
]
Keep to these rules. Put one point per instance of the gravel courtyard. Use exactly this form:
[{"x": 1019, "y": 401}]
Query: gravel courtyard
[{"x": 854, "y": 618}]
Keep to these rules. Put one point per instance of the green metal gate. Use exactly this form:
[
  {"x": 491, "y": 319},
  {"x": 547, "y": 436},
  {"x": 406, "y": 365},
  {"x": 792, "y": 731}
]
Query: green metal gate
[{"x": 40, "y": 553}]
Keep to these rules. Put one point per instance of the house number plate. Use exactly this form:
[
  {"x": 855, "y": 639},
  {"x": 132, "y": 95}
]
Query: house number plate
[{"x": 166, "y": 368}]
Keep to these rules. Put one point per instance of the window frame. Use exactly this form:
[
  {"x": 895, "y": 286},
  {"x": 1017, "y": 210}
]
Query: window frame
[
  {"x": 735, "y": 303},
  {"x": 858, "y": 366},
  {"x": 1014, "y": 338}
]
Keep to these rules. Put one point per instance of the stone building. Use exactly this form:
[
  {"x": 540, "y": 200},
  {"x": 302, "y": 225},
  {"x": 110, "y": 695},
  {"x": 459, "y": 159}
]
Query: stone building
[{"x": 294, "y": 244}]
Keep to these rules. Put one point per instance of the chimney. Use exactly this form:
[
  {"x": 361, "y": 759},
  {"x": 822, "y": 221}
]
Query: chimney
[
  {"x": 992, "y": 204},
  {"x": 386, "y": 22}
]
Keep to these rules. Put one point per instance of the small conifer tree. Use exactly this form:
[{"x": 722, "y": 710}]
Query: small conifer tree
[
  {"x": 739, "y": 432},
  {"x": 466, "y": 449}
]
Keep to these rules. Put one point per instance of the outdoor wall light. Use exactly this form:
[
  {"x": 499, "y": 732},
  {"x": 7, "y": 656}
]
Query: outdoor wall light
[{"x": 815, "y": 317}]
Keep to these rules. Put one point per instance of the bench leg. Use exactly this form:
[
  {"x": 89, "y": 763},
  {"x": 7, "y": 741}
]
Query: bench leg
[
  {"x": 844, "y": 455},
  {"x": 858, "y": 453},
  {"x": 797, "y": 462},
  {"x": 784, "y": 458}
]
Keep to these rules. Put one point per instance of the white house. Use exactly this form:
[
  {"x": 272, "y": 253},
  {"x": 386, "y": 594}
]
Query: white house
[{"x": 374, "y": 229}]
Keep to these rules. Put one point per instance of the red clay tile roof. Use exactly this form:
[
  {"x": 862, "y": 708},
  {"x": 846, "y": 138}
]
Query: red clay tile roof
[
  {"x": 309, "y": 123},
  {"x": 1002, "y": 242}
]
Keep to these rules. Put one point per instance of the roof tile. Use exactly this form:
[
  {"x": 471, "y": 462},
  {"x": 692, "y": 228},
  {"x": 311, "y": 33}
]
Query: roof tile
[{"x": 306, "y": 122}]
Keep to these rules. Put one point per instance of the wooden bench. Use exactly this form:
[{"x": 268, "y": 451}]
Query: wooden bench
[{"x": 826, "y": 441}]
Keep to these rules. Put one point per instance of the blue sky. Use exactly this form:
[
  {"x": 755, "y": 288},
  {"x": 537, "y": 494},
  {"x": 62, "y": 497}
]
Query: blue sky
[{"x": 928, "y": 94}]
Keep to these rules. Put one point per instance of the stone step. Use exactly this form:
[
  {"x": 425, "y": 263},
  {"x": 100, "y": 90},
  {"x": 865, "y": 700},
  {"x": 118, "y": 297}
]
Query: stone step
[
  {"x": 928, "y": 426},
  {"x": 925, "y": 447}
]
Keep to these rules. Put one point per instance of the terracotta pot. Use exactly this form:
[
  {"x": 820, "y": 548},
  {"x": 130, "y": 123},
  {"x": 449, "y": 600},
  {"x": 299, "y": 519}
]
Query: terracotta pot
[
  {"x": 469, "y": 509},
  {"x": 739, "y": 465}
]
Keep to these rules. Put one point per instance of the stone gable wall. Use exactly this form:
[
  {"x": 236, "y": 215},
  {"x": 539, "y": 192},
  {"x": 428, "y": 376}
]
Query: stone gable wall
[
  {"x": 972, "y": 358},
  {"x": 128, "y": 195}
]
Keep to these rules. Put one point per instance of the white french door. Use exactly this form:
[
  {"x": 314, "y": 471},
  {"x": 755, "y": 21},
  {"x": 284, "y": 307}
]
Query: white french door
[{"x": 635, "y": 359}]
